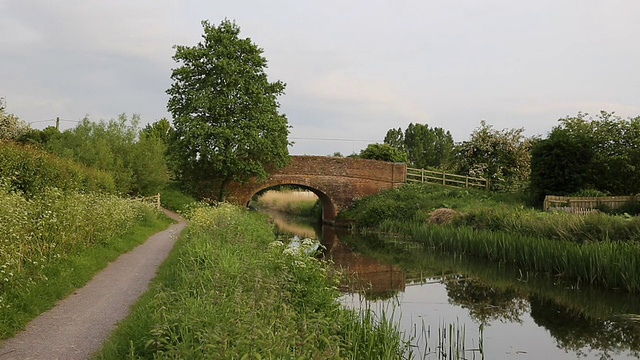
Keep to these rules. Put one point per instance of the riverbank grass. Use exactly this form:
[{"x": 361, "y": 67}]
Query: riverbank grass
[
  {"x": 597, "y": 249},
  {"x": 230, "y": 290},
  {"x": 48, "y": 272}
]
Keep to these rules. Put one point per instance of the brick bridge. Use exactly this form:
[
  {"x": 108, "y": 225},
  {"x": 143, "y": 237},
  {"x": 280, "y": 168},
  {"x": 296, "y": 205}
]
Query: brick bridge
[{"x": 336, "y": 181}]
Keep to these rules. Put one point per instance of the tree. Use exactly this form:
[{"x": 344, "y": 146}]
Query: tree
[
  {"x": 503, "y": 157},
  {"x": 11, "y": 127},
  {"x": 225, "y": 112},
  {"x": 395, "y": 138},
  {"x": 425, "y": 146},
  {"x": 383, "y": 152},
  {"x": 560, "y": 165},
  {"x": 136, "y": 162},
  {"x": 601, "y": 153}
]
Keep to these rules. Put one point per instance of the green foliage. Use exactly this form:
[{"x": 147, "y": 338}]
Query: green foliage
[
  {"x": 392, "y": 209},
  {"x": 425, "y": 147},
  {"x": 174, "y": 198},
  {"x": 383, "y": 152},
  {"x": 502, "y": 157},
  {"x": 229, "y": 291},
  {"x": 32, "y": 171},
  {"x": 601, "y": 153},
  {"x": 225, "y": 112},
  {"x": 11, "y": 127},
  {"x": 138, "y": 164},
  {"x": 54, "y": 241},
  {"x": 559, "y": 165}
]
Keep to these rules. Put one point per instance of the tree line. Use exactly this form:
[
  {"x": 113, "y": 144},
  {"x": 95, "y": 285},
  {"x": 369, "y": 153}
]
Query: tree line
[
  {"x": 583, "y": 155},
  {"x": 227, "y": 126}
]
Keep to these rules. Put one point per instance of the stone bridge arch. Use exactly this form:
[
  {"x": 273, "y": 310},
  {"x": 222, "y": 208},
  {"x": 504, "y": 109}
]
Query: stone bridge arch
[{"x": 336, "y": 181}]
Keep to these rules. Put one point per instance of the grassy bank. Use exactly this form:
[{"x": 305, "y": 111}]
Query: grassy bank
[
  {"x": 597, "y": 249},
  {"x": 230, "y": 291},
  {"x": 53, "y": 242}
]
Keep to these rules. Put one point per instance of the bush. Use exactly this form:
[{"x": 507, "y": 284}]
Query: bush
[{"x": 31, "y": 171}]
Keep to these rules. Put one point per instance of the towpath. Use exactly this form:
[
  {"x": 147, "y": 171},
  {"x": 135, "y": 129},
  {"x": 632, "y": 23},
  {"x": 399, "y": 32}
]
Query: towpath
[{"x": 78, "y": 325}]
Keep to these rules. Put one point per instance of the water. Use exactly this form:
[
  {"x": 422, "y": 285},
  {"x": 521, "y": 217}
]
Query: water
[{"x": 446, "y": 304}]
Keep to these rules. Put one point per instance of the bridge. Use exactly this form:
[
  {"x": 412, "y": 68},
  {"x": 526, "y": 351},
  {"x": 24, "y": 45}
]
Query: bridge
[{"x": 336, "y": 181}]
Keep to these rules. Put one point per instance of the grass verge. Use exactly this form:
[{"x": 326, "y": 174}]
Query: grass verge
[
  {"x": 29, "y": 294},
  {"x": 173, "y": 198},
  {"x": 230, "y": 291}
]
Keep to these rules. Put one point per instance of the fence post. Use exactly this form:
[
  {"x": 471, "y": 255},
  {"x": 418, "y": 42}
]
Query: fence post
[
  {"x": 422, "y": 176},
  {"x": 466, "y": 181},
  {"x": 443, "y": 177},
  {"x": 158, "y": 202}
]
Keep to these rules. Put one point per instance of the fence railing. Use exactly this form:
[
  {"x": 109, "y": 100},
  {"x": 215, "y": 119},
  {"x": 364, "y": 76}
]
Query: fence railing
[
  {"x": 154, "y": 199},
  {"x": 444, "y": 178},
  {"x": 580, "y": 204}
]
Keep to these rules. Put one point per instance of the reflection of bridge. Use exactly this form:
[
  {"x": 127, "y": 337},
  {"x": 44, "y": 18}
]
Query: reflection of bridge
[{"x": 336, "y": 181}]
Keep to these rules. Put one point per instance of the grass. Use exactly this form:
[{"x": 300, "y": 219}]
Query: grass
[
  {"x": 33, "y": 292},
  {"x": 229, "y": 290},
  {"x": 174, "y": 198},
  {"x": 302, "y": 203},
  {"x": 596, "y": 249}
]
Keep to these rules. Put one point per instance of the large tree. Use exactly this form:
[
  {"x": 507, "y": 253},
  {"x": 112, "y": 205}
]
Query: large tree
[{"x": 225, "y": 112}]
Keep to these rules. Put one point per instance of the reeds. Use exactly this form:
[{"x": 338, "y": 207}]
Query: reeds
[{"x": 610, "y": 264}]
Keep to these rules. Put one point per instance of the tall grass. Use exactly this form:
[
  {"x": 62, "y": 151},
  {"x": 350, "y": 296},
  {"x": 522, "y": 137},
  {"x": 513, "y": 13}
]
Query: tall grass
[
  {"x": 229, "y": 291},
  {"x": 303, "y": 203},
  {"x": 606, "y": 263},
  {"x": 53, "y": 242}
]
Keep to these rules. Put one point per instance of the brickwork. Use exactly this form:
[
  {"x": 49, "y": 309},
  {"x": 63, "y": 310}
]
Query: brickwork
[{"x": 336, "y": 181}]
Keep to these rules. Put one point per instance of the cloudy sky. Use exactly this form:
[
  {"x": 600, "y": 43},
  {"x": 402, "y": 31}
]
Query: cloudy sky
[{"x": 353, "y": 69}]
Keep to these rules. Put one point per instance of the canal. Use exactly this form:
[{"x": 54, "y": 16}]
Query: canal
[{"x": 451, "y": 307}]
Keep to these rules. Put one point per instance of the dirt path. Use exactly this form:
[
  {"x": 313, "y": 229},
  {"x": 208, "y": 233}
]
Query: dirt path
[{"x": 77, "y": 326}]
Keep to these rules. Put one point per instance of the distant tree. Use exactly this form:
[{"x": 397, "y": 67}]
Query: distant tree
[
  {"x": 503, "y": 157},
  {"x": 395, "y": 138},
  {"x": 38, "y": 137},
  {"x": 428, "y": 147},
  {"x": 337, "y": 154},
  {"x": 384, "y": 152},
  {"x": 136, "y": 163},
  {"x": 225, "y": 112},
  {"x": 160, "y": 129},
  {"x": 560, "y": 165},
  {"x": 11, "y": 127},
  {"x": 606, "y": 151}
]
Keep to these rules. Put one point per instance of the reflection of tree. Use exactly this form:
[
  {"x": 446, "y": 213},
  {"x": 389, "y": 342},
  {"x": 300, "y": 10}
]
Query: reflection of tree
[
  {"x": 484, "y": 302},
  {"x": 574, "y": 331}
]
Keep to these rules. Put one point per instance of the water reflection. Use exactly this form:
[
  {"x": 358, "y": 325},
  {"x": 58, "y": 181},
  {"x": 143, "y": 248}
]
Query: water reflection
[
  {"x": 522, "y": 315},
  {"x": 362, "y": 273}
]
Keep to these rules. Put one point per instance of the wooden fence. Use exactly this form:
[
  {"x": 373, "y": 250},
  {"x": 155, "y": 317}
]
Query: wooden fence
[
  {"x": 155, "y": 200},
  {"x": 585, "y": 204},
  {"x": 443, "y": 178}
]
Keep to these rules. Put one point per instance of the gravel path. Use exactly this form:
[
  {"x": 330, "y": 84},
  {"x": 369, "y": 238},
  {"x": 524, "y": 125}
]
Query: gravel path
[{"x": 78, "y": 325}]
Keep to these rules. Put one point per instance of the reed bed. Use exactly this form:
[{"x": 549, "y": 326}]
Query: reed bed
[
  {"x": 606, "y": 263},
  {"x": 302, "y": 203},
  {"x": 230, "y": 290}
]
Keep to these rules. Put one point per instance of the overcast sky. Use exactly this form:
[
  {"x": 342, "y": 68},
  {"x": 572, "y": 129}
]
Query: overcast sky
[{"x": 353, "y": 69}]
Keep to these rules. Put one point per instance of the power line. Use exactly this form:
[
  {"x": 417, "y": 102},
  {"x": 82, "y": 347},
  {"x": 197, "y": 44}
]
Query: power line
[{"x": 332, "y": 139}]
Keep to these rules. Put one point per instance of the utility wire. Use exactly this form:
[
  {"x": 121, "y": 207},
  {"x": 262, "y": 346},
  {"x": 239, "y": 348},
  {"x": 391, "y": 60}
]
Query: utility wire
[{"x": 332, "y": 139}]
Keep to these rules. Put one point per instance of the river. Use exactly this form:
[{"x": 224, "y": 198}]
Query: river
[{"x": 446, "y": 305}]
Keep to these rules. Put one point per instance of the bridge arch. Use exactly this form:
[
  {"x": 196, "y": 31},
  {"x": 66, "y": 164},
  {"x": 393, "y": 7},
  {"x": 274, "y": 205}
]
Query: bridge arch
[
  {"x": 336, "y": 181},
  {"x": 328, "y": 209}
]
